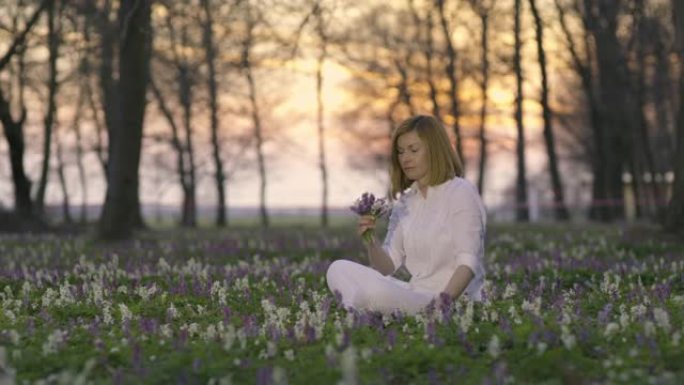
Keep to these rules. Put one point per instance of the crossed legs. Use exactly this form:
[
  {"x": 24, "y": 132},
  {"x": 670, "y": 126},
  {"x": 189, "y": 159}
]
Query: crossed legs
[{"x": 362, "y": 287}]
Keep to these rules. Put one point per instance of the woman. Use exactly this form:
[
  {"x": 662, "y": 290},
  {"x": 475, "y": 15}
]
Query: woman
[{"x": 436, "y": 229}]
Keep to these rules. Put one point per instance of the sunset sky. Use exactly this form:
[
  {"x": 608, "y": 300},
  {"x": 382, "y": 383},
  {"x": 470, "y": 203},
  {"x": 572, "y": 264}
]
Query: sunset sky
[{"x": 293, "y": 173}]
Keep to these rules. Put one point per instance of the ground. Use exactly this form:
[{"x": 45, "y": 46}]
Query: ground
[{"x": 565, "y": 304}]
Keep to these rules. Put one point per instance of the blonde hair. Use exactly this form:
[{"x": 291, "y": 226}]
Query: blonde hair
[{"x": 443, "y": 163}]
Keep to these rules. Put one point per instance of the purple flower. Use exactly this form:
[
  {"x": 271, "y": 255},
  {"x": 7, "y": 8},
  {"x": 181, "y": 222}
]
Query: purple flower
[{"x": 367, "y": 204}]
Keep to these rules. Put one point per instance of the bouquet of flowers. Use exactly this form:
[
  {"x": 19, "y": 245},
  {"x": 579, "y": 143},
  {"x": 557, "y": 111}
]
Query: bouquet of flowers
[{"x": 367, "y": 204}]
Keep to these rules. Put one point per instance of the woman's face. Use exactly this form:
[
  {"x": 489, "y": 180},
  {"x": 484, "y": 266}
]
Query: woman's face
[{"x": 413, "y": 159}]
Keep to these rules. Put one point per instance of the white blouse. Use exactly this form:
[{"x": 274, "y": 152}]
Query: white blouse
[{"x": 436, "y": 234}]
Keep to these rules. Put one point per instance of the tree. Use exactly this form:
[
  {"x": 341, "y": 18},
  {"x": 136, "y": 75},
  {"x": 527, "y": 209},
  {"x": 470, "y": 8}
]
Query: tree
[
  {"x": 122, "y": 205},
  {"x": 556, "y": 184},
  {"x": 14, "y": 132},
  {"x": 54, "y": 19},
  {"x": 451, "y": 74},
  {"x": 522, "y": 209},
  {"x": 252, "y": 16},
  {"x": 483, "y": 9},
  {"x": 212, "y": 84},
  {"x": 675, "y": 216}
]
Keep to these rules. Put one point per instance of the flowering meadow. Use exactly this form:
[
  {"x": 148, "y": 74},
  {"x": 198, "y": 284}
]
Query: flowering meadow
[{"x": 563, "y": 305}]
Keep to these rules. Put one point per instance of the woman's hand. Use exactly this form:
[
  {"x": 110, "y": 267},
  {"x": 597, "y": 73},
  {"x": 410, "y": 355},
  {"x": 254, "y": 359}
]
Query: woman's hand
[{"x": 366, "y": 222}]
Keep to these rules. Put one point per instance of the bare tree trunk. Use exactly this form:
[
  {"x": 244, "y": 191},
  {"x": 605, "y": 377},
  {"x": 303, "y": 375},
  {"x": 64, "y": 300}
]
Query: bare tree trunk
[
  {"x": 617, "y": 112},
  {"x": 189, "y": 205},
  {"x": 675, "y": 212},
  {"x": 598, "y": 209},
  {"x": 453, "y": 81},
  {"x": 426, "y": 26},
  {"x": 185, "y": 98},
  {"x": 643, "y": 139},
  {"x": 14, "y": 129},
  {"x": 219, "y": 175},
  {"x": 404, "y": 87},
  {"x": 175, "y": 142},
  {"x": 664, "y": 100},
  {"x": 320, "y": 29},
  {"x": 79, "y": 147},
  {"x": 108, "y": 85},
  {"x": 54, "y": 30},
  {"x": 256, "y": 120},
  {"x": 86, "y": 70},
  {"x": 66, "y": 212},
  {"x": 14, "y": 133},
  {"x": 522, "y": 209},
  {"x": 483, "y": 10},
  {"x": 122, "y": 205},
  {"x": 99, "y": 130},
  {"x": 556, "y": 184}
]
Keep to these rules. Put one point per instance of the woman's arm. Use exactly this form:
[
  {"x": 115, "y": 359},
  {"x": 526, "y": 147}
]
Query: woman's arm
[
  {"x": 459, "y": 281},
  {"x": 379, "y": 259},
  {"x": 377, "y": 256}
]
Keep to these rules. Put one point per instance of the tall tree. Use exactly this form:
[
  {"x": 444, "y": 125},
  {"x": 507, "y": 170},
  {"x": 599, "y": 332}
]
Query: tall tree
[
  {"x": 122, "y": 204},
  {"x": 453, "y": 79},
  {"x": 61, "y": 164},
  {"x": 54, "y": 20},
  {"x": 483, "y": 8},
  {"x": 320, "y": 116},
  {"x": 424, "y": 38},
  {"x": 675, "y": 215},
  {"x": 14, "y": 128},
  {"x": 522, "y": 209},
  {"x": 210, "y": 51},
  {"x": 247, "y": 67},
  {"x": 556, "y": 184},
  {"x": 617, "y": 107},
  {"x": 583, "y": 67}
]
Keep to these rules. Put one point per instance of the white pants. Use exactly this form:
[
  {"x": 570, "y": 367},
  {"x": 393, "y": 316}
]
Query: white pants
[{"x": 364, "y": 288}]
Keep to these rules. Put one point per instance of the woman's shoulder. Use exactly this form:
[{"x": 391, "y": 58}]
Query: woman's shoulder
[{"x": 462, "y": 190}]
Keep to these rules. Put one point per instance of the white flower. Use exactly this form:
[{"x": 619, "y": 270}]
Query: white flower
[
  {"x": 55, "y": 339},
  {"x": 348, "y": 366},
  {"x": 10, "y": 315},
  {"x": 172, "y": 311},
  {"x": 611, "y": 329},
  {"x": 638, "y": 310},
  {"x": 7, "y": 372},
  {"x": 662, "y": 319},
  {"x": 289, "y": 354},
  {"x": 163, "y": 265},
  {"x": 568, "y": 339},
  {"x": 510, "y": 290},
  {"x": 210, "y": 332},
  {"x": 271, "y": 349},
  {"x": 366, "y": 353},
  {"x": 166, "y": 331},
  {"x": 107, "y": 315},
  {"x": 48, "y": 297},
  {"x": 649, "y": 328},
  {"x": 229, "y": 337},
  {"x": 541, "y": 347},
  {"x": 14, "y": 337},
  {"x": 125, "y": 313},
  {"x": 514, "y": 315},
  {"x": 494, "y": 348},
  {"x": 676, "y": 337},
  {"x": 533, "y": 307},
  {"x": 279, "y": 376}
]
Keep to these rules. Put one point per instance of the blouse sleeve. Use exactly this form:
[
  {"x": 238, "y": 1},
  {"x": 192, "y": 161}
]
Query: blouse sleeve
[
  {"x": 468, "y": 221},
  {"x": 394, "y": 241}
]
